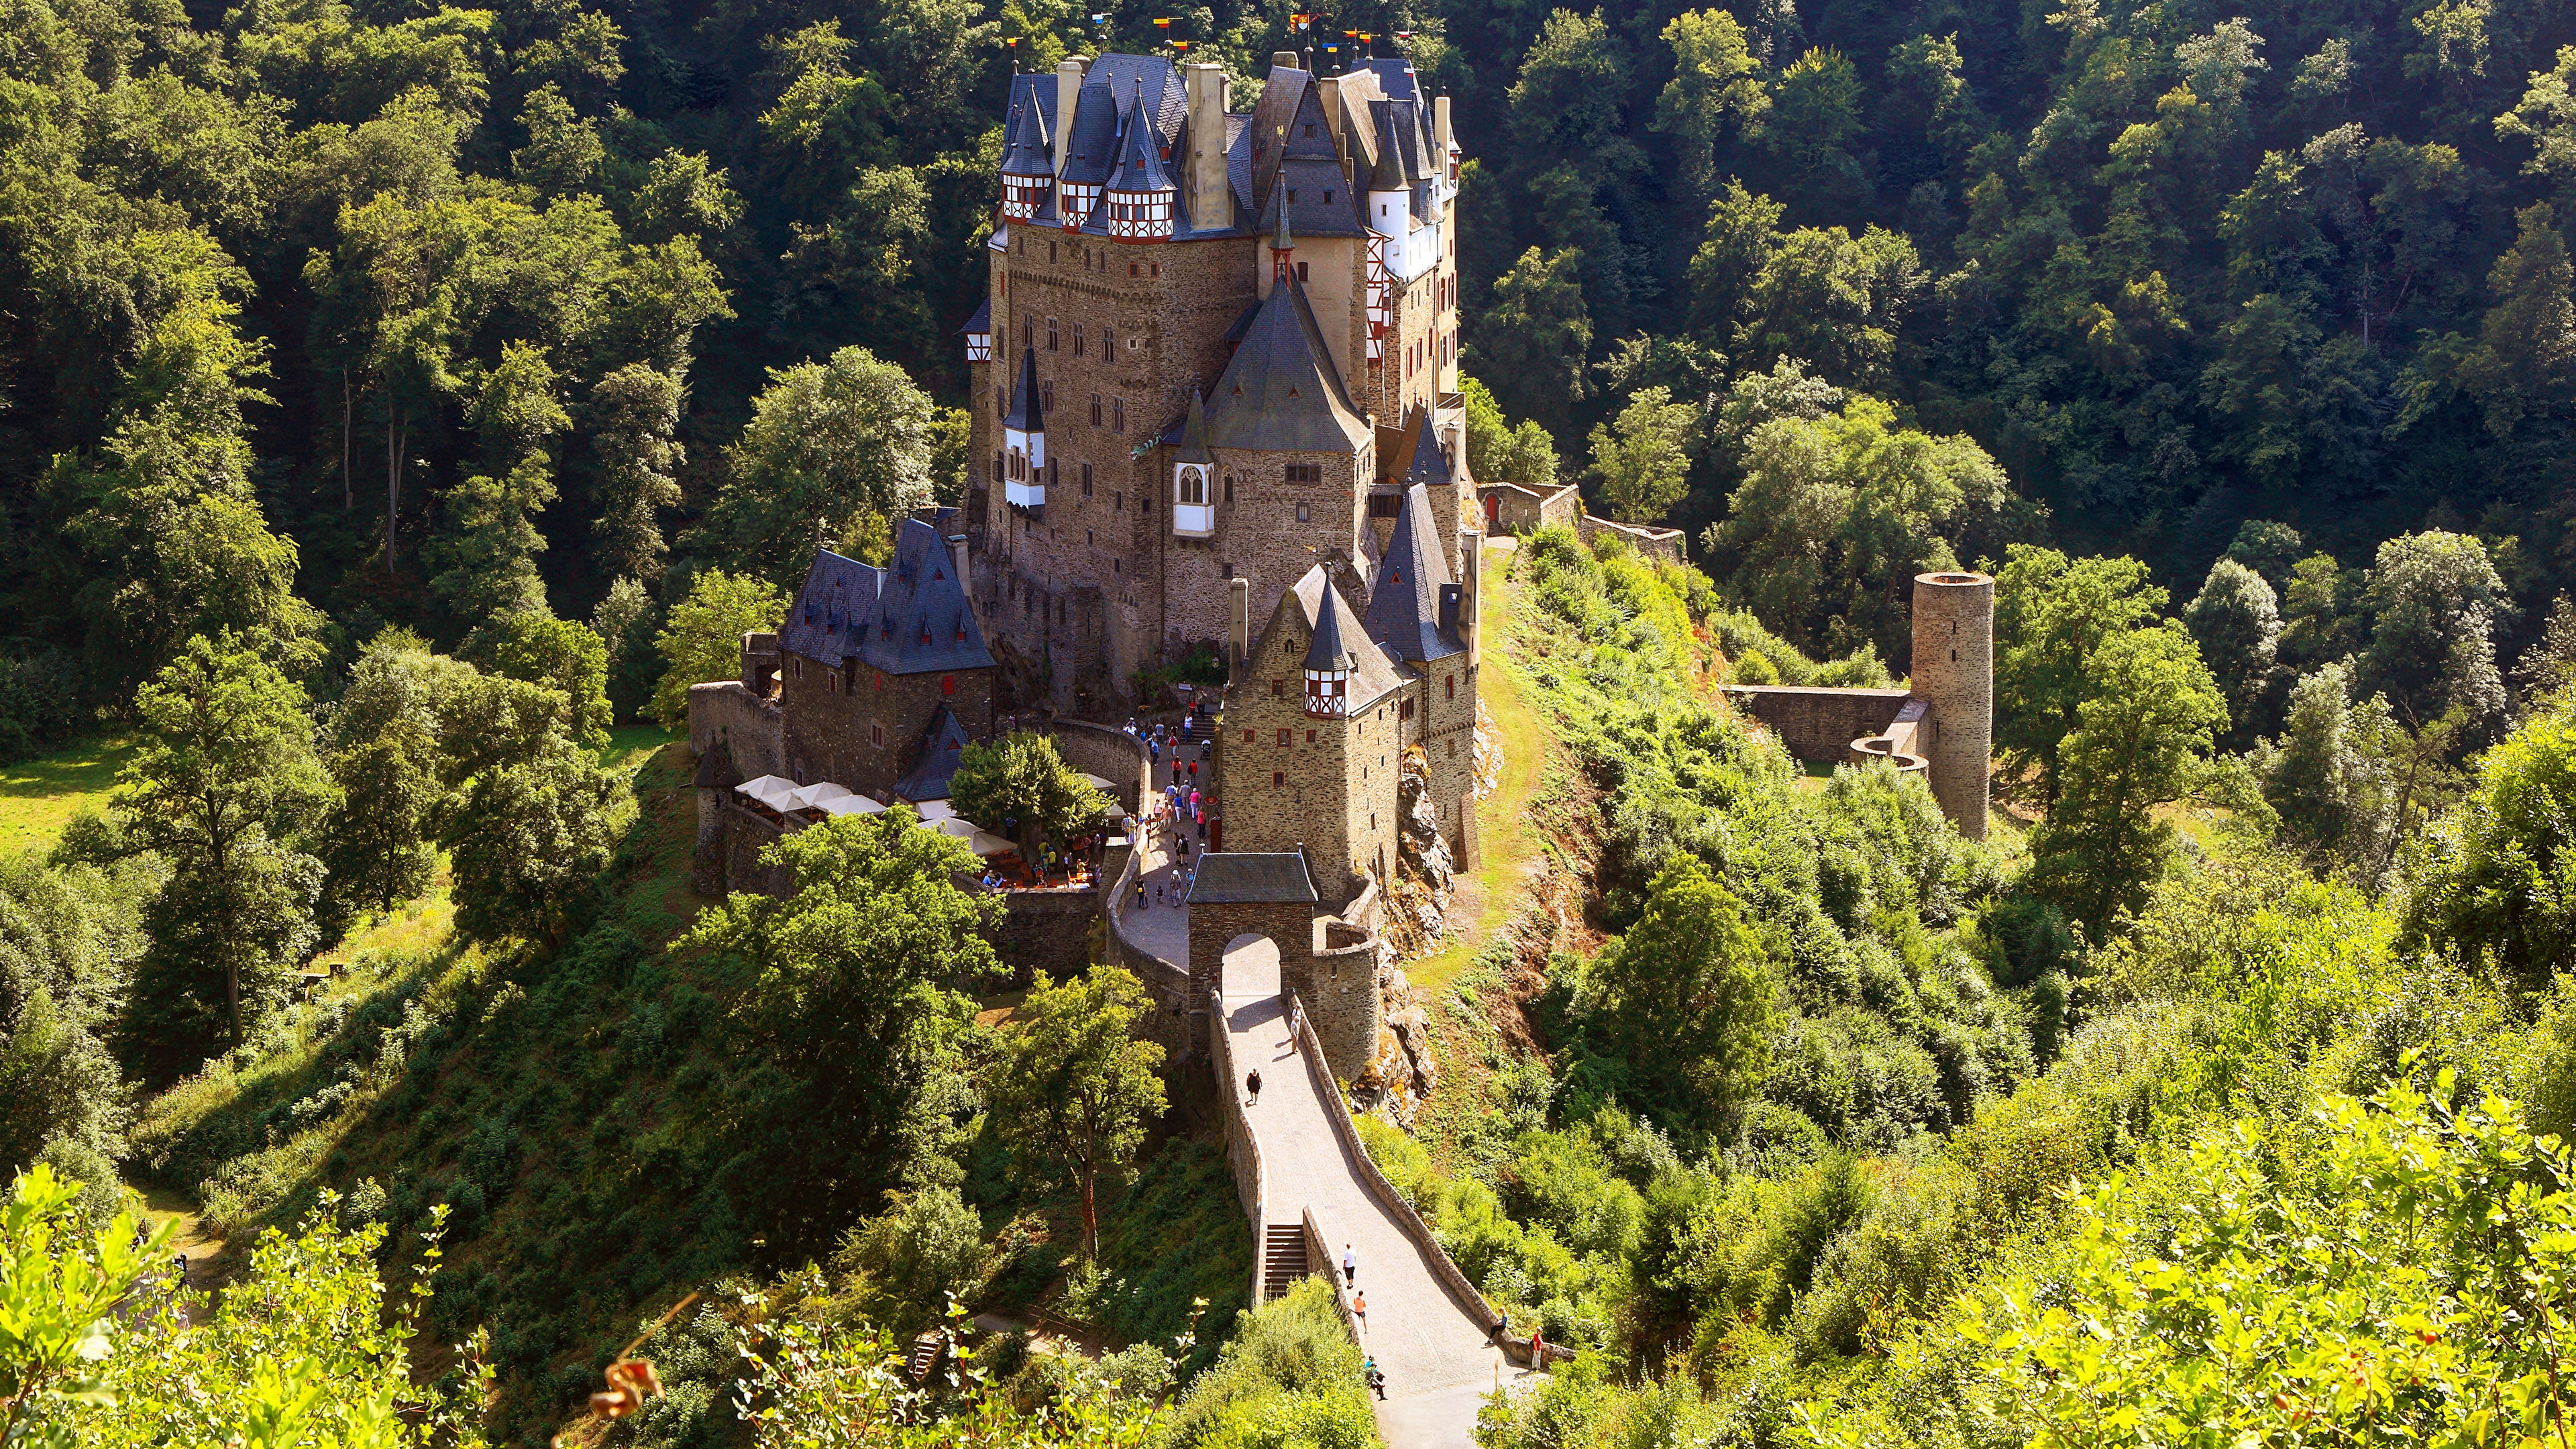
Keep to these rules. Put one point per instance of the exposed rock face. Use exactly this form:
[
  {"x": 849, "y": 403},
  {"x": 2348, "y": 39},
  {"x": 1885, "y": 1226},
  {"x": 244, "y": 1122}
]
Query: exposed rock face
[
  {"x": 1418, "y": 836},
  {"x": 1401, "y": 1072}
]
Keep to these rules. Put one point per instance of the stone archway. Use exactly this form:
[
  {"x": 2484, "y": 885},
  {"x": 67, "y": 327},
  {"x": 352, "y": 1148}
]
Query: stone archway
[{"x": 1249, "y": 968}]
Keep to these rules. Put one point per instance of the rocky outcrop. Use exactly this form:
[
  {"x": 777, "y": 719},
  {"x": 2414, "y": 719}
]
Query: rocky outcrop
[{"x": 1402, "y": 1072}]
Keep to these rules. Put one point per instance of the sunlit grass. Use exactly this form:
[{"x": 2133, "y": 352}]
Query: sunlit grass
[{"x": 39, "y": 797}]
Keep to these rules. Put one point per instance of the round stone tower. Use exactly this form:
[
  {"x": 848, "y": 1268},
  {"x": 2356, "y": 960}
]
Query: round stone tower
[{"x": 1954, "y": 673}]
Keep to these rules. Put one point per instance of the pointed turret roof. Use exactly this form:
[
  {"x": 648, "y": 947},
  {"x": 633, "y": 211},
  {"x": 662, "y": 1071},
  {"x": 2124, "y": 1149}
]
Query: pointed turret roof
[
  {"x": 943, "y": 747},
  {"x": 1194, "y": 445},
  {"x": 716, "y": 768},
  {"x": 1327, "y": 651},
  {"x": 1024, "y": 415},
  {"x": 1028, "y": 149},
  {"x": 1281, "y": 393},
  {"x": 1280, "y": 238},
  {"x": 1389, "y": 172},
  {"x": 1429, "y": 467},
  {"x": 1404, "y": 602},
  {"x": 1140, "y": 165}
]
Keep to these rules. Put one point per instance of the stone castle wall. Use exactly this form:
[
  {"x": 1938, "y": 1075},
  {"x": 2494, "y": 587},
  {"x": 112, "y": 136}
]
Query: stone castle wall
[
  {"x": 863, "y": 728},
  {"x": 1818, "y": 724}
]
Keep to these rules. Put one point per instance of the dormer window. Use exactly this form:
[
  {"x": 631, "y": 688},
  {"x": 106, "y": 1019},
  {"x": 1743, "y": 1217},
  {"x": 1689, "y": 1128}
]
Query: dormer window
[{"x": 1328, "y": 693}]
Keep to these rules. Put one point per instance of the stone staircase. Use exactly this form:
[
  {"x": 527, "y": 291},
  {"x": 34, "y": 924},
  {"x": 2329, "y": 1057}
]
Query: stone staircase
[
  {"x": 1283, "y": 1258},
  {"x": 926, "y": 1353}
]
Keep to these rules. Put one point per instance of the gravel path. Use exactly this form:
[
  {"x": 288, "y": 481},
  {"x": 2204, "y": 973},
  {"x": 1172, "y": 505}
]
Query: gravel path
[{"x": 1433, "y": 1354}]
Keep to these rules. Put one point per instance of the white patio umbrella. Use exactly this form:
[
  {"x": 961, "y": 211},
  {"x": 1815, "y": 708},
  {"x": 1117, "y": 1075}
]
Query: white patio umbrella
[
  {"x": 812, "y": 796},
  {"x": 930, "y": 810},
  {"x": 1097, "y": 783},
  {"x": 775, "y": 791},
  {"x": 850, "y": 805}
]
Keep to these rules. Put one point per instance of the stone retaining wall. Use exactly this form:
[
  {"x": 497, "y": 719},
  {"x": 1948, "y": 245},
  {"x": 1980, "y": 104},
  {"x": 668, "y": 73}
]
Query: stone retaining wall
[
  {"x": 1242, "y": 1149},
  {"x": 1338, "y": 1110},
  {"x": 1656, "y": 545}
]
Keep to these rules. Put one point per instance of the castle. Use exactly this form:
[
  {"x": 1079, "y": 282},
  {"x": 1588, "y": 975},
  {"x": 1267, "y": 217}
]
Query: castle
[{"x": 1215, "y": 421}]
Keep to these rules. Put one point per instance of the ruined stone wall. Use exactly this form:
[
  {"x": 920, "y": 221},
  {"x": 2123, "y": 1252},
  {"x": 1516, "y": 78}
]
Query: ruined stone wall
[
  {"x": 754, "y": 729},
  {"x": 1655, "y": 545},
  {"x": 1818, "y": 725}
]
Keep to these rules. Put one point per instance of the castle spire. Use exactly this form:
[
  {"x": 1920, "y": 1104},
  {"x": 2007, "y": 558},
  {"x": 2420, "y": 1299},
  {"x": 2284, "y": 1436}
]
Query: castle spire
[
  {"x": 1281, "y": 243},
  {"x": 1328, "y": 661}
]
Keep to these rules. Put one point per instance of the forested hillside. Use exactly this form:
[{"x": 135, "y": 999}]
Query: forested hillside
[{"x": 401, "y": 403}]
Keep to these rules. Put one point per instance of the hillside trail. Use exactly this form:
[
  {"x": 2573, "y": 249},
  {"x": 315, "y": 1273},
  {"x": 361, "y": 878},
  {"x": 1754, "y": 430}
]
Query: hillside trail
[{"x": 1438, "y": 1363}]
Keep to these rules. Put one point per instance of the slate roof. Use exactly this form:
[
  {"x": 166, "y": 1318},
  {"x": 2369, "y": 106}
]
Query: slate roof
[
  {"x": 1193, "y": 439},
  {"x": 1325, "y": 651},
  {"x": 1404, "y": 601},
  {"x": 830, "y": 616},
  {"x": 716, "y": 770},
  {"x": 982, "y": 322},
  {"x": 912, "y": 618},
  {"x": 1280, "y": 393},
  {"x": 1166, "y": 95},
  {"x": 1227, "y": 877},
  {"x": 1091, "y": 147},
  {"x": 1395, "y": 77},
  {"x": 1268, "y": 126},
  {"x": 1027, "y": 149},
  {"x": 1374, "y": 673},
  {"x": 1024, "y": 414},
  {"x": 1428, "y": 463},
  {"x": 1388, "y": 174},
  {"x": 1140, "y": 162},
  {"x": 943, "y": 744}
]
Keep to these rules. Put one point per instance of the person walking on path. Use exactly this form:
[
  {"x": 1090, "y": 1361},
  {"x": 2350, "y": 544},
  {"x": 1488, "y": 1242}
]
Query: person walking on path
[
  {"x": 1252, "y": 1085},
  {"x": 1538, "y": 1347},
  {"x": 1359, "y": 1310},
  {"x": 1350, "y": 1267}
]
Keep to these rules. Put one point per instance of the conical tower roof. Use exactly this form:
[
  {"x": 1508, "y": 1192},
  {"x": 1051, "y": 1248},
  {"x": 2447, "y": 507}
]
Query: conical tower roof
[
  {"x": 1140, "y": 165},
  {"x": 1025, "y": 416},
  {"x": 1328, "y": 652},
  {"x": 1389, "y": 173},
  {"x": 1028, "y": 151},
  {"x": 1194, "y": 446}
]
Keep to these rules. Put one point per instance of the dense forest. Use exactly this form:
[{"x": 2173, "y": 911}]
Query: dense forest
[{"x": 399, "y": 403}]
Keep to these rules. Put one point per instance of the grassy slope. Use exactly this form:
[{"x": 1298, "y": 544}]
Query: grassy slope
[
  {"x": 39, "y": 797},
  {"x": 1489, "y": 895}
]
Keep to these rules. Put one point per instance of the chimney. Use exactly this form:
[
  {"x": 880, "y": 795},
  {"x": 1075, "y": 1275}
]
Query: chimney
[
  {"x": 1285, "y": 60},
  {"x": 1239, "y": 621},
  {"x": 1440, "y": 124},
  {"x": 957, "y": 559},
  {"x": 1204, "y": 181},
  {"x": 1471, "y": 594},
  {"x": 1068, "y": 91}
]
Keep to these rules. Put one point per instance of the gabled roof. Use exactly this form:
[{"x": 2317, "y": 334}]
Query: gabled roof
[
  {"x": 1091, "y": 147},
  {"x": 943, "y": 744},
  {"x": 912, "y": 618},
  {"x": 1395, "y": 77},
  {"x": 1166, "y": 95},
  {"x": 922, "y": 622},
  {"x": 1404, "y": 602},
  {"x": 1281, "y": 393},
  {"x": 1263, "y": 138},
  {"x": 981, "y": 324},
  {"x": 829, "y": 620},
  {"x": 1026, "y": 147},
  {"x": 1257, "y": 877},
  {"x": 1025, "y": 415}
]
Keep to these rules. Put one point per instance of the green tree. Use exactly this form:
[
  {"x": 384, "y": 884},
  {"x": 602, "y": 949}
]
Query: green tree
[
  {"x": 2051, "y": 614},
  {"x": 1715, "y": 90},
  {"x": 1020, "y": 777},
  {"x": 2236, "y": 620},
  {"x": 2434, "y": 601},
  {"x": 1644, "y": 467},
  {"x": 226, "y": 786},
  {"x": 1685, "y": 998},
  {"x": 906, "y": 1263},
  {"x": 375, "y": 848},
  {"x": 527, "y": 838},
  {"x": 2316, "y": 609},
  {"x": 847, "y": 1020},
  {"x": 483, "y": 558},
  {"x": 635, "y": 411},
  {"x": 1836, "y": 515},
  {"x": 566, "y": 657},
  {"x": 2525, "y": 358},
  {"x": 2147, "y": 721},
  {"x": 2497, "y": 886},
  {"x": 702, "y": 640},
  {"x": 1076, "y": 1087},
  {"x": 1534, "y": 342},
  {"x": 1498, "y": 452},
  {"x": 832, "y": 451},
  {"x": 2332, "y": 775}
]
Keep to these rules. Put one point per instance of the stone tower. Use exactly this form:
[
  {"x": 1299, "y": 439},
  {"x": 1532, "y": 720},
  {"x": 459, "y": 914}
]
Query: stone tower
[{"x": 1954, "y": 673}]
